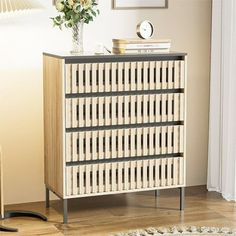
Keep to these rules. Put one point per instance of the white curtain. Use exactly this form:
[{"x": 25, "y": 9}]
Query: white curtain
[{"x": 222, "y": 126}]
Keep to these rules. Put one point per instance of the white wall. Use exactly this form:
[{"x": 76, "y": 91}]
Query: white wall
[{"x": 25, "y": 37}]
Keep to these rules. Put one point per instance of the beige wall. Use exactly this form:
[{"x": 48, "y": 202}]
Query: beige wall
[{"x": 22, "y": 40}]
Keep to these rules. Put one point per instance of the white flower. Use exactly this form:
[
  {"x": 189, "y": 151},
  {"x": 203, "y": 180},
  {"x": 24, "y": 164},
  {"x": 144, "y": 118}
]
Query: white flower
[
  {"x": 59, "y": 5},
  {"x": 71, "y": 2},
  {"x": 86, "y": 4}
]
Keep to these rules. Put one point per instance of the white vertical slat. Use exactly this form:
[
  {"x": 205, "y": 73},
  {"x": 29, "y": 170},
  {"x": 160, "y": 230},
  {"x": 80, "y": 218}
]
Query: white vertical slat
[
  {"x": 181, "y": 171},
  {"x": 164, "y": 103},
  {"x": 81, "y": 113},
  {"x": 169, "y": 179},
  {"x": 81, "y": 146},
  {"x": 120, "y": 116},
  {"x": 182, "y": 106},
  {"x": 170, "y": 75},
  {"x": 163, "y": 140},
  {"x": 88, "y": 121},
  {"x": 150, "y": 173},
  {"x": 176, "y": 107},
  {"x": 94, "y": 145},
  {"x": 151, "y": 135},
  {"x": 164, "y": 82},
  {"x": 169, "y": 135},
  {"x": 132, "y": 174},
  {"x": 139, "y": 133},
  {"x": 107, "y": 77},
  {"x": 158, "y": 101},
  {"x": 69, "y": 181},
  {"x": 126, "y": 111},
  {"x": 113, "y": 110},
  {"x": 126, "y": 184},
  {"x": 182, "y": 74},
  {"x": 157, "y": 75},
  {"x": 68, "y": 113},
  {"x": 75, "y": 137},
  {"x": 158, "y": 147},
  {"x": 100, "y": 145},
  {"x": 120, "y": 173},
  {"x": 113, "y": 177},
  {"x": 94, "y": 77},
  {"x": 94, "y": 111},
  {"x": 87, "y": 146},
  {"x": 176, "y": 139},
  {"x": 120, "y": 150},
  {"x": 127, "y": 83},
  {"x": 74, "y": 103},
  {"x": 80, "y": 87},
  {"x": 138, "y": 173},
  {"x": 145, "y": 76},
  {"x": 181, "y": 138},
  {"x": 132, "y": 79},
  {"x": 132, "y": 142},
  {"x": 100, "y": 176},
  {"x": 151, "y": 67},
  {"x": 68, "y": 78},
  {"x": 145, "y": 109},
  {"x": 139, "y": 76},
  {"x": 68, "y": 147},
  {"x": 175, "y": 174},
  {"x": 151, "y": 108},
  {"x": 177, "y": 75},
  {"x": 87, "y": 182},
  {"x": 139, "y": 107},
  {"x": 126, "y": 143},
  {"x": 157, "y": 173},
  {"x": 113, "y": 143},
  {"x": 107, "y": 111},
  {"x": 170, "y": 103},
  {"x": 107, "y": 134},
  {"x": 100, "y": 112},
  {"x": 74, "y": 180},
  {"x": 145, "y": 181},
  {"x": 114, "y": 77},
  {"x": 101, "y": 86},
  {"x": 107, "y": 177},
  {"x": 81, "y": 179},
  {"x": 145, "y": 149},
  {"x": 132, "y": 105},
  {"x": 94, "y": 180},
  {"x": 120, "y": 76},
  {"x": 88, "y": 88},
  {"x": 163, "y": 172},
  {"x": 74, "y": 68}
]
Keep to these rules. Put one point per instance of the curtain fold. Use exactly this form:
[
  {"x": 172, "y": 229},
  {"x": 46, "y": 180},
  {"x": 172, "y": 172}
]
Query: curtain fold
[{"x": 222, "y": 123}]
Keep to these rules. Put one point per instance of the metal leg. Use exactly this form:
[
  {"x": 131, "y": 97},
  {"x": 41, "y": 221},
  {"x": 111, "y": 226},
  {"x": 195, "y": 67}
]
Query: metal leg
[
  {"x": 65, "y": 211},
  {"x": 182, "y": 190},
  {"x": 47, "y": 198},
  {"x": 157, "y": 193},
  {"x": 8, "y": 229}
]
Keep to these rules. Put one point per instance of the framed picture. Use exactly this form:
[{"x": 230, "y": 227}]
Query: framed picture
[{"x": 132, "y": 4}]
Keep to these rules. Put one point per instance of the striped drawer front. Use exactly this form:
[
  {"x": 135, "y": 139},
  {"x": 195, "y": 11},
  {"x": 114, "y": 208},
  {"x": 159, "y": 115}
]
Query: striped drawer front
[
  {"x": 124, "y": 176},
  {"x": 120, "y": 143},
  {"x": 119, "y": 110},
  {"x": 124, "y": 76}
]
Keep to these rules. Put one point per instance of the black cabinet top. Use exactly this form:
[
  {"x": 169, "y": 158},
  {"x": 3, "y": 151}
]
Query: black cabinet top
[{"x": 93, "y": 58}]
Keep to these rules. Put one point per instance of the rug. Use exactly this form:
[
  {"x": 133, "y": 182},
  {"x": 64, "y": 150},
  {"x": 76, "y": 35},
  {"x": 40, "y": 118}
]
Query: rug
[{"x": 191, "y": 230}]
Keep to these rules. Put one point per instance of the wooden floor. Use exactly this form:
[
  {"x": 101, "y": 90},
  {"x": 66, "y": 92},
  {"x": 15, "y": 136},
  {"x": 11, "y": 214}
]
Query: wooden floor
[{"x": 116, "y": 213}]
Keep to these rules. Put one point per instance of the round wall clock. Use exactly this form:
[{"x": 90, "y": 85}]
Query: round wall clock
[{"x": 145, "y": 29}]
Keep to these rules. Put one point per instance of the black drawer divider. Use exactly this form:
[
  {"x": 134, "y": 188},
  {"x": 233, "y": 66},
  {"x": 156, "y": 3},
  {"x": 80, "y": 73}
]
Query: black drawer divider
[
  {"x": 128, "y": 126},
  {"x": 123, "y": 93},
  {"x": 122, "y": 159}
]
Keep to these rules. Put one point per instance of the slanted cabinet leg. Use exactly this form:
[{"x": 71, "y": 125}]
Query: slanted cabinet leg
[
  {"x": 47, "y": 198},
  {"x": 65, "y": 211},
  {"x": 182, "y": 195}
]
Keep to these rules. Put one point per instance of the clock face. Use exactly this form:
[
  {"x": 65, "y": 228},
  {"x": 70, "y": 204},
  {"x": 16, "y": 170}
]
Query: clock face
[{"x": 145, "y": 29}]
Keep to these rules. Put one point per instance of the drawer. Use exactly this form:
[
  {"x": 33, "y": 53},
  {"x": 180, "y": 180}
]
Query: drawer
[
  {"x": 120, "y": 110},
  {"x": 124, "y": 76},
  {"x": 124, "y": 176},
  {"x": 124, "y": 143}
]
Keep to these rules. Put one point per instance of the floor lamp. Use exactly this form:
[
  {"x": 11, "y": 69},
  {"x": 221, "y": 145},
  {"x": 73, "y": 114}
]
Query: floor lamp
[{"x": 13, "y": 6}]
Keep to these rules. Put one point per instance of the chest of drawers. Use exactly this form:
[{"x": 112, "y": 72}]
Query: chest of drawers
[{"x": 114, "y": 124}]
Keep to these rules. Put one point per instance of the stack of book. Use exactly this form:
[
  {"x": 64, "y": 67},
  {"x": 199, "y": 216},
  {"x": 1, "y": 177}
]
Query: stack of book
[{"x": 126, "y": 46}]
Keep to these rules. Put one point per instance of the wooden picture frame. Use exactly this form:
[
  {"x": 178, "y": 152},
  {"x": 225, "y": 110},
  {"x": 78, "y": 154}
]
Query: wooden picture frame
[{"x": 135, "y": 4}]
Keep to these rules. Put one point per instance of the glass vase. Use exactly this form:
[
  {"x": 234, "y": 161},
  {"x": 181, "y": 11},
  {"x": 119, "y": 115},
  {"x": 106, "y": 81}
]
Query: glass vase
[{"x": 77, "y": 38}]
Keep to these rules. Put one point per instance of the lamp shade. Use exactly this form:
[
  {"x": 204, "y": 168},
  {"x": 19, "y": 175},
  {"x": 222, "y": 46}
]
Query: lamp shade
[{"x": 17, "y": 5}]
